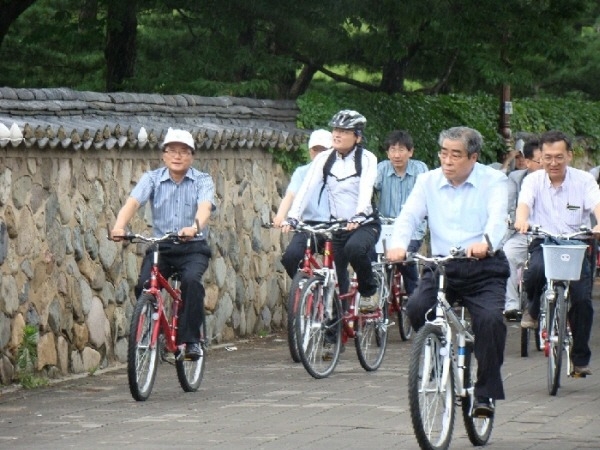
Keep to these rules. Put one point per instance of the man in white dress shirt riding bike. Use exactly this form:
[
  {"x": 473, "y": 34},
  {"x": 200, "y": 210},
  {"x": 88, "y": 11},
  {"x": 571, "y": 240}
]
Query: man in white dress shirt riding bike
[
  {"x": 559, "y": 199},
  {"x": 465, "y": 202}
]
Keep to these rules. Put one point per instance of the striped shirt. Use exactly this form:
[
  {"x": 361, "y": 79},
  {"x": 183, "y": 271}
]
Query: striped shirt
[
  {"x": 458, "y": 216},
  {"x": 173, "y": 205},
  {"x": 561, "y": 209},
  {"x": 394, "y": 189},
  {"x": 348, "y": 195}
]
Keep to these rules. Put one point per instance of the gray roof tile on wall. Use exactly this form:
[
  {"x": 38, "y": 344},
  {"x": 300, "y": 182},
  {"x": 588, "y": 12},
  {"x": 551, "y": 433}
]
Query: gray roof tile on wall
[{"x": 63, "y": 118}]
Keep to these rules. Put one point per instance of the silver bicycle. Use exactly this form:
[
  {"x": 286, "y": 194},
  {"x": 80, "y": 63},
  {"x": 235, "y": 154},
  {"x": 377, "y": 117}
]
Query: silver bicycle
[{"x": 442, "y": 370}]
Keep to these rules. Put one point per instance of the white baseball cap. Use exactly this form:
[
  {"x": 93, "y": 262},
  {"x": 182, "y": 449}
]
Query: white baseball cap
[
  {"x": 183, "y": 136},
  {"x": 320, "y": 137}
]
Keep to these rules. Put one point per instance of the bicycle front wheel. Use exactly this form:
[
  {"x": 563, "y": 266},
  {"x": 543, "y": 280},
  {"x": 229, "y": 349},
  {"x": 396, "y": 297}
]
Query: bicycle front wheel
[
  {"x": 190, "y": 373},
  {"x": 292, "y": 310},
  {"x": 478, "y": 429},
  {"x": 557, "y": 329},
  {"x": 403, "y": 320},
  {"x": 142, "y": 353},
  {"x": 318, "y": 332},
  {"x": 430, "y": 390},
  {"x": 371, "y": 330}
]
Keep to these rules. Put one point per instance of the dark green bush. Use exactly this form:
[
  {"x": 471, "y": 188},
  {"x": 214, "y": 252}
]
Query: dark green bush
[{"x": 424, "y": 116}]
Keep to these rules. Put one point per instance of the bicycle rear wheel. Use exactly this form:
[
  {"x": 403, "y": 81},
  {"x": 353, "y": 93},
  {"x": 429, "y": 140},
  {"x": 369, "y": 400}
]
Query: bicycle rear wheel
[
  {"x": 430, "y": 391},
  {"x": 142, "y": 353},
  {"x": 318, "y": 334},
  {"x": 371, "y": 330},
  {"x": 479, "y": 429},
  {"x": 557, "y": 328},
  {"x": 292, "y": 310},
  {"x": 190, "y": 373}
]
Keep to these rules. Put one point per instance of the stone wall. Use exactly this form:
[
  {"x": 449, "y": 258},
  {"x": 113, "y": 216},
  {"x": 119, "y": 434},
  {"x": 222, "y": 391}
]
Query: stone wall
[{"x": 60, "y": 273}]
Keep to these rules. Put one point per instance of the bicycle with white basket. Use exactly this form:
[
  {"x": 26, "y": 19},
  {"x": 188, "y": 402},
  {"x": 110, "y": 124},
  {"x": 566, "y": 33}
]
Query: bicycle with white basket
[{"x": 563, "y": 259}]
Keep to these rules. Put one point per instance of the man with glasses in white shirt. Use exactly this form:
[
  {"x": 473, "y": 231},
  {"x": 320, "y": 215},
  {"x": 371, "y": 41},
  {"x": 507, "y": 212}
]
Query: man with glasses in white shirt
[
  {"x": 465, "y": 203},
  {"x": 560, "y": 199}
]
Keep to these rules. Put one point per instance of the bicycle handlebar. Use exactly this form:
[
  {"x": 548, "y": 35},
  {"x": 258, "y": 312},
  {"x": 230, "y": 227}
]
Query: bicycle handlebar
[
  {"x": 537, "y": 230},
  {"x": 168, "y": 237},
  {"x": 455, "y": 253},
  {"x": 320, "y": 228}
]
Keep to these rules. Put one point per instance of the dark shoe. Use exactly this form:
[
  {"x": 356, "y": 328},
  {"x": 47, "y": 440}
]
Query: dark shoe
[
  {"x": 512, "y": 315},
  {"x": 484, "y": 408},
  {"x": 328, "y": 351},
  {"x": 581, "y": 371},
  {"x": 527, "y": 321},
  {"x": 192, "y": 351}
]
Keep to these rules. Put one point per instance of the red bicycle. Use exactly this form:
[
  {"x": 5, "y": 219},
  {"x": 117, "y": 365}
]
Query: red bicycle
[
  {"x": 323, "y": 326},
  {"x": 398, "y": 297},
  {"x": 153, "y": 331}
]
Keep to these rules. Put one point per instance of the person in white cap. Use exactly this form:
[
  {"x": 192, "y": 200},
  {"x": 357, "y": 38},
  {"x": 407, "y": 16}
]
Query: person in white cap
[
  {"x": 317, "y": 210},
  {"x": 182, "y": 199}
]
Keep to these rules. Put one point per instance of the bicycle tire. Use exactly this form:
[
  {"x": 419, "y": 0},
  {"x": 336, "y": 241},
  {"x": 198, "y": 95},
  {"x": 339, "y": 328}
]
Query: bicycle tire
[
  {"x": 525, "y": 332},
  {"x": 404, "y": 324},
  {"x": 432, "y": 406},
  {"x": 314, "y": 329},
  {"x": 292, "y": 309},
  {"x": 371, "y": 332},
  {"x": 478, "y": 429},
  {"x": 142, "y": 354},
  {"x": 556, "y": 335},
  {"x": 190, "y": 373}
]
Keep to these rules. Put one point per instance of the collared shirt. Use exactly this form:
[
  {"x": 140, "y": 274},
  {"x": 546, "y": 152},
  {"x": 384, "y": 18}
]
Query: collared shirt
[
  {"x": 317, "y": 210},
  {"x": 348, "y": 195},
  {"x": 174, "y": 205},
  {"x": 561, "y": 209},
  {"x": 394, "y": 189},
  {"x": 458, "y": 216}
]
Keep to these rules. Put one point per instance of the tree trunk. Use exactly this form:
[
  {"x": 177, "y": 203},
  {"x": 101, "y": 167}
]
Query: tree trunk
[
  {"x": 120, "y": 50},
  {"x": 302, "y": 81},
  {"x": 10, "y": 11}
]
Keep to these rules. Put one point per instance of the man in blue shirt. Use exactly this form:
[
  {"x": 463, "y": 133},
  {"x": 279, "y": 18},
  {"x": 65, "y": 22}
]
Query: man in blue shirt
[
  {"x": 317, "y": 210},
  {"x": 464, "y": 201},
  {"x": 396, "y": 177},
  {"x": 182, "y": 199}
]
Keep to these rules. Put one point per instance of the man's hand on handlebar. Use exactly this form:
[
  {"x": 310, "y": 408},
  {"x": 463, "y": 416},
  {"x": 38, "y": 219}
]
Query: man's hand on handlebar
[
  {"x": 521, "y": 226},
  {"x": 187, "y": 233},
  {"x": 397, "y": 254},
  {"x": 478, "y": 250},
  {"x": 116, "y": 234}
]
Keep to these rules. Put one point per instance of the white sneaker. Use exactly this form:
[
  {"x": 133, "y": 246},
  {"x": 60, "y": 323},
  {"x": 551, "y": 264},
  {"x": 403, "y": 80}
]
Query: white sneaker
[{"x": 368, "y": 304}]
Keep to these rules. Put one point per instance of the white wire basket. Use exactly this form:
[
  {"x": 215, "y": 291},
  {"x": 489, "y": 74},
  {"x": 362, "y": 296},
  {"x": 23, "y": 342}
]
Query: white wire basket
[
  {"x": 563, "y": 262},
  {"x": 386, "y": 233}
]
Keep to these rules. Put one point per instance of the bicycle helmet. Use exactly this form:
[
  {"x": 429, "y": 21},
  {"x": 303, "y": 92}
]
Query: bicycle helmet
[{"x": 348, "y": 119}]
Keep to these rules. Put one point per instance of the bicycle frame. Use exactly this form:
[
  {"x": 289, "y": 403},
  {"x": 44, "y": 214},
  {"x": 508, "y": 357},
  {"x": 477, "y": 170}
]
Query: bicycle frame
[
  {"x": 447, "y": 320},
  {"x": 158, "y": 282}
]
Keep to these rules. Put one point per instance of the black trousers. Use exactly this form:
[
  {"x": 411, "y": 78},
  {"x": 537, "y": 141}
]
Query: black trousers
[
  {"x": 356, "y": 247},
  {"x": 581, "y": 314},
  {"x": 481, "y": 286},
  {"x": 294, "y": 253},
  {"x": 190, "y": 260}
]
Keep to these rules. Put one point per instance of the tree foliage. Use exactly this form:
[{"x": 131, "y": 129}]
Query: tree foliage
[{"x": 264, "y": 48}]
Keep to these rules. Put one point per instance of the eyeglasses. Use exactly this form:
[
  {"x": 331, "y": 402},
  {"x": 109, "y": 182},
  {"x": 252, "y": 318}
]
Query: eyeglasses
[
  {"x": 397, "y": 150},
  {"x": 452, "y": 156},
  {"x": 537, "y": 161},
  {"x": 557, "y": 158},
  {"x": 172, "y": 152}
]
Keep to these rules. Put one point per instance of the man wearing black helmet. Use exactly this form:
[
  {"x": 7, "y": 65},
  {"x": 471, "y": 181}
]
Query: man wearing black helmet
[{"x": 348, "y": 172}]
